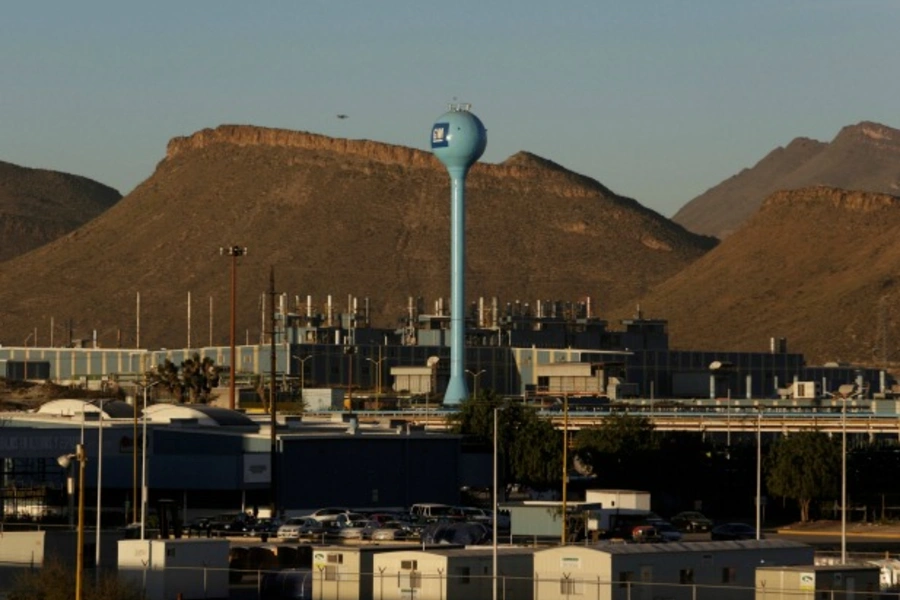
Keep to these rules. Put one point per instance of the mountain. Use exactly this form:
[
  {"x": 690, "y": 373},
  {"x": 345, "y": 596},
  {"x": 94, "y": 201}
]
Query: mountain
[
  {"x": 863, "y": 157},
  {"x": 332, "y": 216},
  {"x": 818, "y": 266},
  {"x": 37, "y": 206}
]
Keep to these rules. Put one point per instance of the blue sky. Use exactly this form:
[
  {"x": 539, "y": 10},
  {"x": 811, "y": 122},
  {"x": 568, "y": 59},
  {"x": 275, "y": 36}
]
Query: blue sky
[{"x": 657, "y": 100}]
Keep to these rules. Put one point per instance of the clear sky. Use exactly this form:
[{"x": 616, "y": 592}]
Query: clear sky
[{"x": 657, "y": 100}]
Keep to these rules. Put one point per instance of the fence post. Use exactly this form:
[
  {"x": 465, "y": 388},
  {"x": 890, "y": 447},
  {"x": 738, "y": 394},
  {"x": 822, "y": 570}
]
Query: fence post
[{"x": 205, "y": 593}]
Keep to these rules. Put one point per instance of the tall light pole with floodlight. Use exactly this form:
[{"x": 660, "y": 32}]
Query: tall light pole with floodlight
[
  {"x": 377, "y": 364},
  {"x": 758, "y": 472},
  {"x": 65, "y": 462},
  {"x": 302, "y": 361},
  {"x": 475, "y": 375},
  {"x": 234, "y": 252},
  {"x": 494, "y": 516},
  {"x": 144, "y": 491},
  {"x": 844, "y": 480}
]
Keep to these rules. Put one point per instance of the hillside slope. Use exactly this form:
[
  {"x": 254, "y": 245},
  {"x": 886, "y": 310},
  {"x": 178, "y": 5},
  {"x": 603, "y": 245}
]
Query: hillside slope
[
  {"x": 864, "y": 157},
  {"x": 333, "y": 216},
  {"x": 819, "y": 266},
  {"x": 38, "y": 206}
]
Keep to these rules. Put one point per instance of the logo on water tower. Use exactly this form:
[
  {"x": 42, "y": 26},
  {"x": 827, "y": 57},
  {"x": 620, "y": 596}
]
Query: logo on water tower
[{"x": 439, "y": 137}]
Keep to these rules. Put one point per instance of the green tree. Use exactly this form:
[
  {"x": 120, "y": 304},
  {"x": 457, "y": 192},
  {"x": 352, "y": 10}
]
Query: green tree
[
  {"x": 529, "y": 449},
  {"x": 194, "y": 379},
  {"x": 618, "y": 449},
  {"x": 804, "y": 466}
]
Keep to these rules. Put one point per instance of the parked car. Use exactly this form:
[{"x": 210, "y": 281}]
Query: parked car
[
  {"x": 198, "y": 526},
  {"x": 734, "y": 531},
  {"x": 358, "y": 530},
  {"x": 300, "y": 527},
  {"x": 229, "y": 524},
  {"x": 691, "y": 521},
  {"x": 264, "y": 528},
  {"x": 391, "y": 531},
  {"x": 666, "y": 530},
  {"x": 329, "y": 513}
]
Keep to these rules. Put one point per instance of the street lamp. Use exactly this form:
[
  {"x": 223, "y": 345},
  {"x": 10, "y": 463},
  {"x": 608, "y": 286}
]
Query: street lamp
[
  {"x": 475, "y": 375},
  {"x": 99, "y": 488},
  {"x": 234, "y": 252},
  {"x": 65, "y": 462},
  {"x": 497, "y": 410},
  {"x": 844, "y": 481},
  {"x": 144, "y": 459},
  {"x": 302, "y": 371},
  {"x": 377, "y": 364},
  {"x": 758, "y": 472}
]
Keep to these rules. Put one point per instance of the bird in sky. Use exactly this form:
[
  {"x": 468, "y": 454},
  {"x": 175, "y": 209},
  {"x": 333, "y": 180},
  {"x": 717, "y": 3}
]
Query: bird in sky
[{"x": 342, "y": 116}]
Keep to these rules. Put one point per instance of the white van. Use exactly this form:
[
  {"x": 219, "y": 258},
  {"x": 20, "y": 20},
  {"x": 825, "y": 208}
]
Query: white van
[{"x": 430, "y": 510}]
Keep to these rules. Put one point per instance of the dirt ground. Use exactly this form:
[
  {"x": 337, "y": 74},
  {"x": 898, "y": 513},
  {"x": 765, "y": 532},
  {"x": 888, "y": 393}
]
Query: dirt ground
[{"x": 26, "y": 395}]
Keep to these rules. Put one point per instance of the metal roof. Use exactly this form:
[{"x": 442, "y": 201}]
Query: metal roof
[
  {"x": 68, "y": 407},
  {"x": 206, "y": 416},
  {"x": 671, "y": 547}
]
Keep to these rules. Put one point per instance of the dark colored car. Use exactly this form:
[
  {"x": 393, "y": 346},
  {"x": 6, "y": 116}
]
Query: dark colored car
[
  {"x": 198, "y": 526},
  {"x": 264, "y": 528},
  {"x": 691, "y": 521},
  {"x": 229, "y": 524},
  {"x": 734, "y": 531}
]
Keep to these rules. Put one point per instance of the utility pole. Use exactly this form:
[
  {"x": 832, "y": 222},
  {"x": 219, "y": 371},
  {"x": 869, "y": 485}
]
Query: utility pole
[
  {"x": 233, "y": 252},
  {"x": 273, "y": 453}
]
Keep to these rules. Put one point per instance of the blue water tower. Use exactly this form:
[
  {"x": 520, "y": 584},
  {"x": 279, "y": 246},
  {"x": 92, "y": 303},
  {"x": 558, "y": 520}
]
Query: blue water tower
[{"x": 458, "y": 139}]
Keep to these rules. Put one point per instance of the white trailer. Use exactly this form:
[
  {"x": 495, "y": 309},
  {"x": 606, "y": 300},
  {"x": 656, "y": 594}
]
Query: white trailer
[{"x": 180, "y": 568}]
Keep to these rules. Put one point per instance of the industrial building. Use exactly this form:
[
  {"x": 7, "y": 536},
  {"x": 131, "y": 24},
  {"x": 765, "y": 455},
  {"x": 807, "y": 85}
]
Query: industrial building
[
  {"x": 551, "y": 348},
  {"x": 206, "y": 459}
]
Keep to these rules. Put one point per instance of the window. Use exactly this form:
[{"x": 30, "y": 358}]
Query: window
[
  {"x": 625, "y": 578},
  {"x": 409, "y": 565},
  {"x": 729, "y": 575},
  {"x": 337, "y": 559},
  {"x": 686, "y": 576}
]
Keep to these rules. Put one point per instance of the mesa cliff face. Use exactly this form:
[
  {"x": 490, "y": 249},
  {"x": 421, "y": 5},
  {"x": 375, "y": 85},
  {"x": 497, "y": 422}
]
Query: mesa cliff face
[
  {"x": 865, "y": 157},
  {"x": 337, "y": 217},
  {"x": 819, "y": 266}
]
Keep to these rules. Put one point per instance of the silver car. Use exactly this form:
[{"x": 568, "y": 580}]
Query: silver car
[{"x": 300, "y": 527}]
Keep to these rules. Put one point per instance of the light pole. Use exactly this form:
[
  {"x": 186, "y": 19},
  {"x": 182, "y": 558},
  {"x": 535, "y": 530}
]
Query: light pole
[
  {"x": 497, "y": 410},
  {"x": 234, "y": 252},
  {"x": 144, "y": 460},
  {"x": 349, "y": 351},
  {"x": 475, "y": 375},
  {"x": 302, "y": 371},
  {"x": 99, "y": 489},
  {"x": 758, "y": 472},
  {"x": 844, "y": 481},
  {"x": 377, "y": 364},
  {"x": 65, "y": 462},
  {"x": 565, "y": 474}
]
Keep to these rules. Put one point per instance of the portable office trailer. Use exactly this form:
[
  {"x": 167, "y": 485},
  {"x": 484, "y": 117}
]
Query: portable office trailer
[
  {"x": 677, "y": 571},
  {"x": 346, "y": 572},
  {"x": 448, "y": 574},
  {"x": 185, "y": 568},
  {"x": 35, "y": 548},
  {"x": 543, "y": 519},
  {"x": 815, "y": 581},
  {"x": 632, "y": 499}
]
